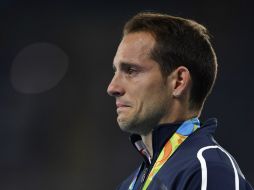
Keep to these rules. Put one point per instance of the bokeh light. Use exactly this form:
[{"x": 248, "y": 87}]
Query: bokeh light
[{"x": 38, "y": 68}]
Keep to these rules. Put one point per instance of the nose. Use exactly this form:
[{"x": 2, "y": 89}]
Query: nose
[{"x": 115, "y": 88}]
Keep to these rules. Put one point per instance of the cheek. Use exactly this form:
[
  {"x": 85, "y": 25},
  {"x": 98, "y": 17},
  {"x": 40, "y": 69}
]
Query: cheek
[
  {"x": 146, "y": 92},
  {"x": 153, "y": 95},
  {"x": 156, "y": 89}
]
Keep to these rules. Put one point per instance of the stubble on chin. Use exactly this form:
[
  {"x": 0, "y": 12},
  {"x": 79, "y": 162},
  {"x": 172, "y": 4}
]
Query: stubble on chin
[
  {"x": 137, "y": 126},
  {"x": 125, "y": 125},
  {"x": 143, "y": 124}
]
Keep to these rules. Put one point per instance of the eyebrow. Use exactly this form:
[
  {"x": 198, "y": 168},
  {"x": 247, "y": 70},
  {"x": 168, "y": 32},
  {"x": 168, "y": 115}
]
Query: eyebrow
[{"x": 124, "y": 65}]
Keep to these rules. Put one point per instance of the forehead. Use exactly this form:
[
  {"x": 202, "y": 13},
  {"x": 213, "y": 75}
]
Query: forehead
[{"x": 134, "y": 48}]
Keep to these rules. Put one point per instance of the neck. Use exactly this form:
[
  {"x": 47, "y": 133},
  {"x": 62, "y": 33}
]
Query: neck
[{"x": 147, "y": 138}]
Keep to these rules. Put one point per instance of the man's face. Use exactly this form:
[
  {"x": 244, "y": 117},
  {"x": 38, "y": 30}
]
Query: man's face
[{"x": 142, "y": 94}]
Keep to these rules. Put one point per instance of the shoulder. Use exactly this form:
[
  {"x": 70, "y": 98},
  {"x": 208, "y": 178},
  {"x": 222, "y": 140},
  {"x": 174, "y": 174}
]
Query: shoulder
[
  {"x": 217, "y": 169},
  {"x": 208, "y": 167}
]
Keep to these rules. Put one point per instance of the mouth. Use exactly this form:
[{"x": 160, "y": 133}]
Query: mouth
[{"x": 120, "y": 106}]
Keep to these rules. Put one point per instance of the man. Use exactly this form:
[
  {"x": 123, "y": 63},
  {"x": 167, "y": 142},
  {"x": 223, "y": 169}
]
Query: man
[{"x": 165, "y": 67}]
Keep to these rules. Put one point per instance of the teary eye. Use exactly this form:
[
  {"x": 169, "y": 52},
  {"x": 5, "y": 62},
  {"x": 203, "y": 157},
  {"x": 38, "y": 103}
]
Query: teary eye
[{"x": 130, "y": 70}]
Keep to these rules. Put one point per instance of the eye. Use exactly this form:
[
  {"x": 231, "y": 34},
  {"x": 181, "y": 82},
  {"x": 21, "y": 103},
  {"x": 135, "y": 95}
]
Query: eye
[{"x": 130, "y": 70}]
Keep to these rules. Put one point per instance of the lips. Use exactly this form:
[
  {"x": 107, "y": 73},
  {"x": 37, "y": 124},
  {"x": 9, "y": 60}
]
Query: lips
[{"x": 121, "y": 105}]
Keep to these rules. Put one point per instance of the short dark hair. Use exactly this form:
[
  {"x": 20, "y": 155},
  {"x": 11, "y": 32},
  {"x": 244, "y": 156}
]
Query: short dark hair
[{"x": 180, "y": 42}]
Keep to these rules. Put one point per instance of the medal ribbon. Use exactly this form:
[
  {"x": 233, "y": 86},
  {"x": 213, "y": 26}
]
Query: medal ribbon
[{"x": 187, "y": 128}]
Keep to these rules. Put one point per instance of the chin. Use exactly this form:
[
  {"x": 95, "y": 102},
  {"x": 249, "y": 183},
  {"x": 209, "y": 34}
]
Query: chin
[{"x": 125, "y": 126}]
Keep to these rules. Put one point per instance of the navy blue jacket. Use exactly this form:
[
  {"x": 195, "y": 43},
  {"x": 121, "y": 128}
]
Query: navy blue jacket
[{"x": 200, "y": 163}]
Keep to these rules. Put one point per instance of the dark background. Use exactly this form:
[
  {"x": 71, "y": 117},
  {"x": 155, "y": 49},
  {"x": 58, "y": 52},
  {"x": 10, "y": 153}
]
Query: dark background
[{"x": 58, "y": 125}]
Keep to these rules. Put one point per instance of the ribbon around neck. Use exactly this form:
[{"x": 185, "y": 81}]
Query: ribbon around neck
[{"x": 187, "y": 128}]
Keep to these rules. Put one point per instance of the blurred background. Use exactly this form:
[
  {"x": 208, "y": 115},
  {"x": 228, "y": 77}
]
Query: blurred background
[{"x": 58, "y": 126}]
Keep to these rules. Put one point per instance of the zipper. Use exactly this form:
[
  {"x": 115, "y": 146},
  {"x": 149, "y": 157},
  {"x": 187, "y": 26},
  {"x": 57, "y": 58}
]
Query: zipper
[
  {"x": 143, "y": 178},
  {"x": 147, "y": 171}
]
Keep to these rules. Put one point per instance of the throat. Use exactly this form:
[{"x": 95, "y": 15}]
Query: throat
[{"x": 147, "y": 140}]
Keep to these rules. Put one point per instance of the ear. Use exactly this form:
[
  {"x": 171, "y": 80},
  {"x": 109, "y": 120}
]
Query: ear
[{"x": 181, "y": 81}]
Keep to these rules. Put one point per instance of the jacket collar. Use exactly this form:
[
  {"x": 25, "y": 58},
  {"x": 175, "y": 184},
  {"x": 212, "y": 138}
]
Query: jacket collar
[{"x": 161, "y": 134}]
